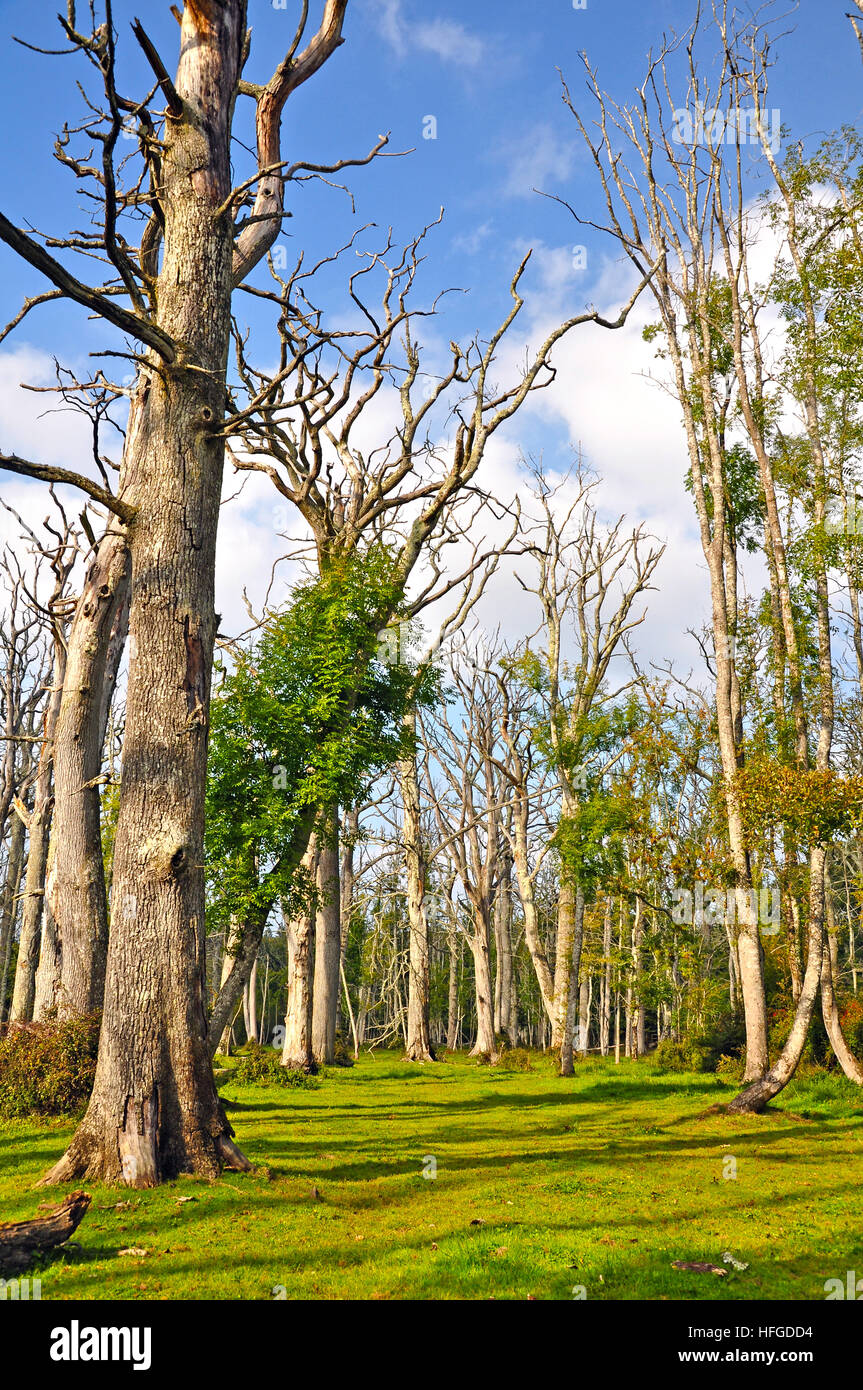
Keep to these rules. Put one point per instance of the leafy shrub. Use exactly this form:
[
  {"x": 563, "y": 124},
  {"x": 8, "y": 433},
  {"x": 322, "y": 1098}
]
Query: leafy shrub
[
  {"x": 343, "y": 1056},
  {"x": 262, "y": 1066},
  {"x": 817, "y": 1049},
  {"x": 693, "y": 1054},
  {"x": 851, "y": 1018},
  {"x": 515, "y": 1059},
  {"x": 48, "y": 1068},
  {"x": 727, "y": 1036},
  {"x": 730, "y": 1068}
]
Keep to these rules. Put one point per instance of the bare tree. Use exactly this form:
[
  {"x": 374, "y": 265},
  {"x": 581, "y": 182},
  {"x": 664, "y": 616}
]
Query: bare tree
[{"x": 588, "y": 579}]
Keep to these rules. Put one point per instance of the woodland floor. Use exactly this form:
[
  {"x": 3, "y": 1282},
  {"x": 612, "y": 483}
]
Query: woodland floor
[{"x": 542, "y": 1185}]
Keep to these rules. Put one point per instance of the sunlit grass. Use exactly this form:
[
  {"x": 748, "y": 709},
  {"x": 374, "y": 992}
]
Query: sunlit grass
[{"x": 543, "y": 1185}]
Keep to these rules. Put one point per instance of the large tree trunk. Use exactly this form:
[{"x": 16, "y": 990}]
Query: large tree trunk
[
  {"x": 154, "y": 1111},
  {"x": 24, "y": 994},
  {"x": 75, "y": 887},
  {"x": 328, "y": 946}
]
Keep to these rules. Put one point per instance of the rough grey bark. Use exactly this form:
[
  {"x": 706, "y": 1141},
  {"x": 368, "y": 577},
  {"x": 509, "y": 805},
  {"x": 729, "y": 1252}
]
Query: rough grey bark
[{"x": 154, "y": 1110}]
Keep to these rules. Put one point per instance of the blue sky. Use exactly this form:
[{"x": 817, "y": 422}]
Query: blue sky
[{"x": 486, "y": 73}]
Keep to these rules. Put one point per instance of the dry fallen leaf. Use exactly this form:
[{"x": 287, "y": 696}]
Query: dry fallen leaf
[{"x": 133, "y": 1250}]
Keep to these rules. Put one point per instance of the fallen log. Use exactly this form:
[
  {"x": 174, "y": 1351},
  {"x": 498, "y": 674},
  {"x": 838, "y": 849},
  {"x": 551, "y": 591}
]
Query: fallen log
[{"x": 22, "y": 1241}]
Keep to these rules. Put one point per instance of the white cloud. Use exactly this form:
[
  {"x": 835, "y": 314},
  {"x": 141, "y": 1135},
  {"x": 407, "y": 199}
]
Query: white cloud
[
  {"x": 540, "y": 159},
  {"x": 445, "y": 38}
]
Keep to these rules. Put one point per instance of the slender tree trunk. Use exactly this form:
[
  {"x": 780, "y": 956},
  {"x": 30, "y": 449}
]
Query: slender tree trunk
[
  {"x": 573, "y": 927},
  {"x": 479, "y": 945},
  {"x": 640, "y": 1046},
  {"x": 505, "y": 1003},
  {"x": 225, "y": 1037},
  {"x": 760, "y": 1092},
  {"x": 617, "y": 1024},
  {"x": 297, "y": 1050},
  {"x": 452, "y": 994},
  {"x": 73, "y": 977},
  {"x": 532, "y": 936},
  {"x": 605, "y": 993},
  {"x": 9, "y": 902},
  {"x": 244, "y": 939},
  {"x": 829, "y": 1006},
  {"x": 585, "y": 997},
  {"x": 418, "y": 1047},
  {"x": 252, "y": 996},
  {"x": 346, "y": 900},
  {"x": 24, "y": 994},
  {"x": 328, "y": 946}
]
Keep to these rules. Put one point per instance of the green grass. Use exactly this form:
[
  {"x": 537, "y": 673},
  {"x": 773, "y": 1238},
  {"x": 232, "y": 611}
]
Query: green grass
[{"x": 542, "y": 1185}]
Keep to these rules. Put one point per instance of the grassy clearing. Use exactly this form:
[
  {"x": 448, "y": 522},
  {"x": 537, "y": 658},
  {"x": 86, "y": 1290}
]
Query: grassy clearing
[{"x": 598, "y": 1181}]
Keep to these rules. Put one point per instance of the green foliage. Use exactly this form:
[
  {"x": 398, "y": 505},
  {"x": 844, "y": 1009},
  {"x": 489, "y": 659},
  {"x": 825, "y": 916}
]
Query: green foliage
[
  {"x": 590, "y": 837},
  {"x": 342, "y": 1055},
  {"x": 851, "y": 1018},
  {"x": 730, "y": 1069},
  {"x": 515, "y": 1059},
  {"x": 303, "y": 719},
  {"x": 689, "y": 1055},
  {"x": 48, "y": 1068},
  {"x": 817, "y": 1048},
  {"x": 262, "y": 1066}
]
